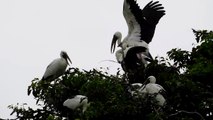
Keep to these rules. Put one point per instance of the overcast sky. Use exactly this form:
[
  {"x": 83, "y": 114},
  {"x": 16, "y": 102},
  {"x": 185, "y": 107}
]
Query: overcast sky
[{"x": 32, "y": 34}]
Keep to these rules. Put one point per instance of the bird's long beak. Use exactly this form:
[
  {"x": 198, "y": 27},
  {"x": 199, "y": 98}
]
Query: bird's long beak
[
  {"x": 145, "y": 82},
  {"x": 69, "y": 60},
  {"x": 113, "y": 44}
]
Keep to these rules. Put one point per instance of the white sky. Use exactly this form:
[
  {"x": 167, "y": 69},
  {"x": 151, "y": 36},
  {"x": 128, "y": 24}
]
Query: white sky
[{"x": 32, "y": 34}]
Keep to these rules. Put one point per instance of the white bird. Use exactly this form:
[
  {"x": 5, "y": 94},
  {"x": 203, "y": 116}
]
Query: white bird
[
  {"x": 141, "y": 28},
  {"x": 141, "y": 24},
  {"x": 57, "y": 67},
  {"x": 76, "y": 102},
  {"x": 155, "y": 89}
]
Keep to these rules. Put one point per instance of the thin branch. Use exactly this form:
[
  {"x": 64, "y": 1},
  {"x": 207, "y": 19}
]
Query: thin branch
[{"x": 187, "y": 112}]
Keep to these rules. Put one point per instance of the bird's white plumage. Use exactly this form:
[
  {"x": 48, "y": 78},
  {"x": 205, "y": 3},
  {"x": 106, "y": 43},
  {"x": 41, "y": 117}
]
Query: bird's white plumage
[
  {"x": 76, "y": 102},
  {"x": 138, "y": 89},
  {"x": 160, "y": 99},
  {"x": 141, "y": 27},
  {"x": 133, "y": 26},
  {"x": 119, "y": 55},
  {"x": 57, "y": 67},
  {"x": 153, "y": 88},
  {"x": 133, "y": 37},
  {"x": 141, "y": 24}
]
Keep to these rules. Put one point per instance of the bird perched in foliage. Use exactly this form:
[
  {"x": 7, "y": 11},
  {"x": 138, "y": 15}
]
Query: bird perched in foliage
[
  {"x": 76, "y": 102},
  {"x": 156, "y": 90},
  {"x": 150, "y": 89},
  {"x": 57, "y": 67}
]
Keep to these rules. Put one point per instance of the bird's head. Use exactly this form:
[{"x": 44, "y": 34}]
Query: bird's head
[
  {"x": 116, "y": 38},
  {"x": 64, "y": 55},
  {"x": 151, "y": 79}
]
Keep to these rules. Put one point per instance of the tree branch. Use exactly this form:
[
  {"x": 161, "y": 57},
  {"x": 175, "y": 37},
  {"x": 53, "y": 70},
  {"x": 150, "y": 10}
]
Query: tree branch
[{"x": 186, "y": 112}]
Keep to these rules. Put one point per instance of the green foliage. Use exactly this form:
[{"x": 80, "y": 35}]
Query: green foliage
[{"x": 188, "y": 80}]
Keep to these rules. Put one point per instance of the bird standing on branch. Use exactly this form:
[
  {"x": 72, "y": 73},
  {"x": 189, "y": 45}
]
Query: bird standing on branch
[
  {"x": 57, "y": 67},
  {"x": 156, "y": 90},
  {"x": 76, "y": 102}
]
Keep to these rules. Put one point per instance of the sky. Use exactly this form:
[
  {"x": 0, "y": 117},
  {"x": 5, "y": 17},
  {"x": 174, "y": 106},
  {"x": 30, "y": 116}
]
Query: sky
[{"x": 32, "y": 34}]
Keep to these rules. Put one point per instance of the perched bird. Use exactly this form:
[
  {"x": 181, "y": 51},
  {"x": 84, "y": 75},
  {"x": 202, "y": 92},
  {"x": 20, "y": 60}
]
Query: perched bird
[
  {"x": 76, "y": 102},
  {"x": 141, "y": 28},
  {"x": 155, "y": 89},
  {"x": 151, "y": 89},
  {"x": 57, "y": 67}
]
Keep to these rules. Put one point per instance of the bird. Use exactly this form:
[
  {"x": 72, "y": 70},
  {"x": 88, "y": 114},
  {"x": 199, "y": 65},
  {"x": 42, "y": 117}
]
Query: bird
[
  {"x": 150, "y": 89},
  {"x": 76, "y": 102},
  {"x": 57, "y": 67},
  {"x": 141, "y": 27},
  {"x": 156, "y": 90}
]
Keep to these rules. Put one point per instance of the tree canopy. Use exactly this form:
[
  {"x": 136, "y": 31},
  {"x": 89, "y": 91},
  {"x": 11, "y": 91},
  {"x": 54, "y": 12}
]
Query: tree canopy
[{"x": 187, "y": 76}]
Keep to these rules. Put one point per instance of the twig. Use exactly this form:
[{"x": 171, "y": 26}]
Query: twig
[
  {"x": 187, "y": 112},
  {"x": 108, "y": 61}
]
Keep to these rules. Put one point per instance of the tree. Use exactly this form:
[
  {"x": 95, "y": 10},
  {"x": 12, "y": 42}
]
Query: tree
[{"x": 187, "y": 77}]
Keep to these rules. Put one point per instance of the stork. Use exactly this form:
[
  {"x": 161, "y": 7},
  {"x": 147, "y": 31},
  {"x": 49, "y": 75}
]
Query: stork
[
  {"x": 76, "y": 102},
  {"x": 155, "y": 89},
  {"x": 152, "y": 89},
  {"x": 141, "y": 28},
  {"x": 57, "y": 67}
]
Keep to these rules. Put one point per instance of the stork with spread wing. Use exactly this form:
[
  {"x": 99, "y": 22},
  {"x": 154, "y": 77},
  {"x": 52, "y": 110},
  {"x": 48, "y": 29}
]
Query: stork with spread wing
[{"x": 141, "y": 27}]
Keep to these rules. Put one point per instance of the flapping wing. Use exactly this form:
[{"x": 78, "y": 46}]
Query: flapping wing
[
  {"x": 131, "y": 21},
  {"x": 152, "y": 12},
  {"x": 146, "y": 18}
]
